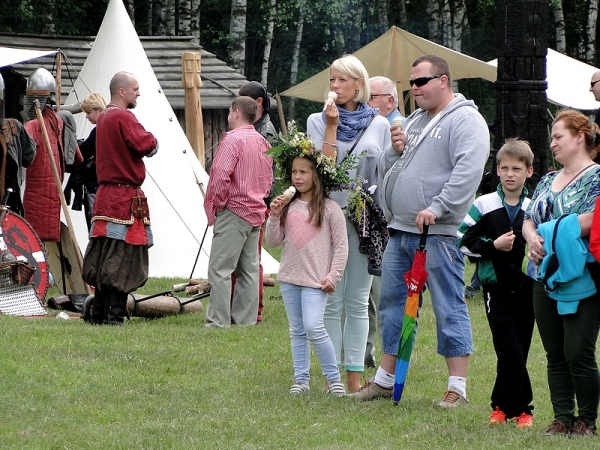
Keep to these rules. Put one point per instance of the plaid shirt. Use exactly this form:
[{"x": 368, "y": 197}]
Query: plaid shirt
[{"x": 240, "y": 176}]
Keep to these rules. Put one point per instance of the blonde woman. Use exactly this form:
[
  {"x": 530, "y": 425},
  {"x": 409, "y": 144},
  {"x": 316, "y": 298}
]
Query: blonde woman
[
  {"x": 349, "y": 125},
  {"x": 83, "y": 181}
]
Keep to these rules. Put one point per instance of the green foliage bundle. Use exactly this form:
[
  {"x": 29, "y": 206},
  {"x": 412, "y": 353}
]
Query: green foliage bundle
[{"x": 297, "y": 144}]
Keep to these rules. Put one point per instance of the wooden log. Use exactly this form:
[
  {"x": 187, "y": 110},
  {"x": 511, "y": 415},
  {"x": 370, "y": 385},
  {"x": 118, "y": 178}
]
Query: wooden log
[
  {"x": 179, "y": 287},
  {"x": 268, "y": 280},
  {"x": 201, "y": 288},
  {"x": 160, "y": 306}
]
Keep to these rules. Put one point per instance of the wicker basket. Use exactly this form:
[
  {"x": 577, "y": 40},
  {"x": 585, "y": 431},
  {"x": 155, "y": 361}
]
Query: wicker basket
[{"x": 15, "y": 272}]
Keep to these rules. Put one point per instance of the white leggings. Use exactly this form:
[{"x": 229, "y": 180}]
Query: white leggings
[{"x": 352, "y": 297}]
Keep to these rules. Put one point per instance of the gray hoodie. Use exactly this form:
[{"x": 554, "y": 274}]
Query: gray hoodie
[{"x": 439, "y": 171}]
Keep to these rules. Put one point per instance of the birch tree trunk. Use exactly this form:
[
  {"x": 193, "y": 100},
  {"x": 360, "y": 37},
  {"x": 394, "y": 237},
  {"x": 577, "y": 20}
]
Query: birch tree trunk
[
  {"x": 169, "y": 17},
  {"x": 48, "y": 18},
  {"x": 160, "y": 17},
  {"x": 268, "y": 41},
  {"x": 149, "y": 18},
  {"x": 195, "y": 20},
  {"x": 403, "y": 19},
  {"x": 590, "y": 48},
  {"x": 446, "y": 24},
  {"x": 383, "y": 18},
  {"x": 131, "y": 11},
  {"x": 237, "y": 33},
  {"x": 460, "y": 22},
  {"x": 296, "y": 55},
  {"x": 355, "y": 25},
  {"x": 183, "y": 27},
  {"x": 434, "y": 22},
  {"x": 559, "y": 24}
]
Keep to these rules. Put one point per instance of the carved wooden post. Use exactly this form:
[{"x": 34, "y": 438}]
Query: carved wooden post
[
  {"x": 521, "y": 102},
  {"x": 194, "y": 129}
]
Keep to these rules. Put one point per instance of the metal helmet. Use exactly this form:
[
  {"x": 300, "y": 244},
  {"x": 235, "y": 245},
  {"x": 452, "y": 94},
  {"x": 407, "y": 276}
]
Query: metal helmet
[
  {"x": 2, "y": 100},
  {"x": 40, "y": 86}
]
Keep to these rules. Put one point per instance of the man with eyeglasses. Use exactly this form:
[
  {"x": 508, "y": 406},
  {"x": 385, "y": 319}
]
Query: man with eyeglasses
[
  {"x": 384, "y": 96},
  {"x": 595, "y": 89},
  {"x": 431, "y": 173}
]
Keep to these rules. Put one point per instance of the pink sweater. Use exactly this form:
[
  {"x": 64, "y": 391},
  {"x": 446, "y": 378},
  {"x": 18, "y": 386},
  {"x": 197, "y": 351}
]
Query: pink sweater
[{"x": 310, "y": 254}]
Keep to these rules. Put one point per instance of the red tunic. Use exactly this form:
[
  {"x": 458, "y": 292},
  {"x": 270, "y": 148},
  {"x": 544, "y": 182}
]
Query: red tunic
[
  {"x": 121, "y": 143},
  {"x": 40, "y": 199}
]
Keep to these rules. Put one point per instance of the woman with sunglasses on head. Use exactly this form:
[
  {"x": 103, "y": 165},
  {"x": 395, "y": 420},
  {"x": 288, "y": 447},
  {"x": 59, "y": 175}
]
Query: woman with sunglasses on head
[
  {"x": 556, "y": 227},
  {"x": 347, "y": 125}
]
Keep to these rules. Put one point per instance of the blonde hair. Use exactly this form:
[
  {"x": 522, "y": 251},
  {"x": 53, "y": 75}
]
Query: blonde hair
[
  {"x": 94, "y": 101},
  {"x": 351, "y": 66}
]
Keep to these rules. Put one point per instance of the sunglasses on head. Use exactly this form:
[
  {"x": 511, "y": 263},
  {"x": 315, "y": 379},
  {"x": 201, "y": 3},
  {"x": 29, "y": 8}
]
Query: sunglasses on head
[{"x": 422, "y": 81}]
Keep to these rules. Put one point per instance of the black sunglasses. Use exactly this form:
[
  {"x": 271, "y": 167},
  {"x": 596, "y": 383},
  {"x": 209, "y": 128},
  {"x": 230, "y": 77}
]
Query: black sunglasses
[
  {"x": 592, "y": 83},
  {"x": 422, "y": 81}
]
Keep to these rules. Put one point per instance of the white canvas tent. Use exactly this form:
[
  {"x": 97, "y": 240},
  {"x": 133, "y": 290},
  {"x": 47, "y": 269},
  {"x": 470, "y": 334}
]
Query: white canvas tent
[
  {"x": 392, "y": 54},
  {"x": 174, "y": 175}
]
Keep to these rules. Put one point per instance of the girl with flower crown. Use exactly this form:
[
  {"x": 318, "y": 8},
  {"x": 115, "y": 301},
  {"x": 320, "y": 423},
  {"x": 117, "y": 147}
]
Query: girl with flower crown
[
  {"x": 347, "y": 125},
  {"x": 307, "y": 226}
]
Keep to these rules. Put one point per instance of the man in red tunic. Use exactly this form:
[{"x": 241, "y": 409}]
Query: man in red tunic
[{"x": 116, "y": 259}]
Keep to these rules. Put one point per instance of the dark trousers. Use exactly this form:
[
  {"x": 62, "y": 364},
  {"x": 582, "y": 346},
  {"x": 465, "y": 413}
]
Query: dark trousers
[
  {"x": 570, "y": 344},
  {"x": 511, "y": 319}
]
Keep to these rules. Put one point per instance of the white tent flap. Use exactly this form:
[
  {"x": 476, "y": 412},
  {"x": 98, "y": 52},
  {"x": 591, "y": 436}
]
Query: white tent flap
[
  {"x": 174, "y": 175},
  {"x": 10, "y": 56}
]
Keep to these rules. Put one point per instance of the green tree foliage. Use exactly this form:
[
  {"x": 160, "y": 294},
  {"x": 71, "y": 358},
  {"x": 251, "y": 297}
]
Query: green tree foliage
[
  {"x": 71, "y": 17},
  {"x": 331, "y": 28}
]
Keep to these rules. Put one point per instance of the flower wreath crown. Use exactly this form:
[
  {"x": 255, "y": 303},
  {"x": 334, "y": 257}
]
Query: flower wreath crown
[{"x": 298, "y": 145}]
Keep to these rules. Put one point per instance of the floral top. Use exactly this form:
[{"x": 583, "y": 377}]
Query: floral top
[{"x": 578, "y": 197}]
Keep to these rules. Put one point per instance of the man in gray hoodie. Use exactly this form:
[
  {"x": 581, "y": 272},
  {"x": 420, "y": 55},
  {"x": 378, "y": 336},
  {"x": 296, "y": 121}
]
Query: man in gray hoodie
[{"x": 431, "y": 173}]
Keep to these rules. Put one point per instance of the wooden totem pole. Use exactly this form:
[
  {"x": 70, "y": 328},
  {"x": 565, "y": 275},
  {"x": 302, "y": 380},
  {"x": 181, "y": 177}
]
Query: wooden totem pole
[{"x": 521, "y": 102}]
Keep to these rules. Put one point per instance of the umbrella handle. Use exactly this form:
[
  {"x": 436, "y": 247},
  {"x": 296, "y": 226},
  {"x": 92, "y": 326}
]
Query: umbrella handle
[{"x": 423, "y": 240}]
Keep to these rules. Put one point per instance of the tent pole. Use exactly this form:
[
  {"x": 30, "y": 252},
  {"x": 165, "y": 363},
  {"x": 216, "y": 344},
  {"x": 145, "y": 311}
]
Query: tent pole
[
  {"x": 397, "y": 70},
  {"x": 281, "y": 116},
  {"x": 58, "y": 78},
  {"x": 61, "y": 195}
]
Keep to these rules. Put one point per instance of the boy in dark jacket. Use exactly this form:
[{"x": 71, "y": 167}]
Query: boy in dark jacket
[{"x": 491, "y": 231}]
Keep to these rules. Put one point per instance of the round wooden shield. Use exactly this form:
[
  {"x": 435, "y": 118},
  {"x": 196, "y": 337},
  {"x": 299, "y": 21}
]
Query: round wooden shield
[{"x": 17, "y": 236}]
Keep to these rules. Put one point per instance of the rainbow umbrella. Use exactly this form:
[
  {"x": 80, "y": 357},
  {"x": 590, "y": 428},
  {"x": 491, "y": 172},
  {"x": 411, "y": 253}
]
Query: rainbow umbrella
[{"x": 415, "y": 281}]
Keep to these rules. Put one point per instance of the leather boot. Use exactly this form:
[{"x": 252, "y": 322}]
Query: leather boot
[
  {"x": 98, "y": 306},
  {"x": 118, "y": 307}
]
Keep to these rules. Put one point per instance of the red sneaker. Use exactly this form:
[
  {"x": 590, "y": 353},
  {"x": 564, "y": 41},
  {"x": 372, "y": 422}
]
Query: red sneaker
[
  {"x": 524, "y": 420},
  {"x": 497, "y": 416}
]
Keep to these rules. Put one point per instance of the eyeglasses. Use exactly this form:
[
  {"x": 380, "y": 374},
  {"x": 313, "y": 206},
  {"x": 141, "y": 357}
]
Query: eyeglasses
[
  {"x": 422, "y": 81},
  {"x": 378, "y": 95},
  {"x": 592, "y": 83}
]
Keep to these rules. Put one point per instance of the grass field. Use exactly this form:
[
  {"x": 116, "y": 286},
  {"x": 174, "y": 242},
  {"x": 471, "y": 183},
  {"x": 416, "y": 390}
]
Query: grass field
[{"x": 169, "y": 383}]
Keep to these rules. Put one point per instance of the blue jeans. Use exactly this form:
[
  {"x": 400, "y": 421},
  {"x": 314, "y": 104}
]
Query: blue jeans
[
  {"x": 445, "y": 266},
  {"x": 305, "y": 308}
]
